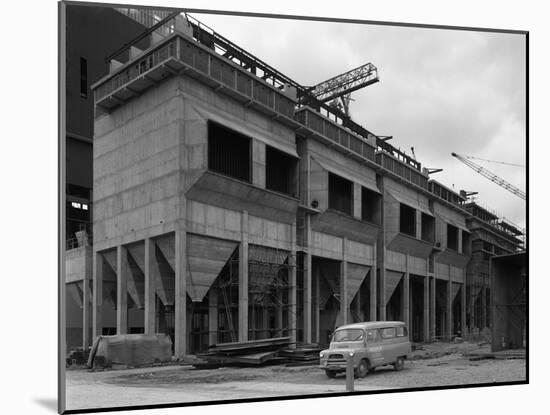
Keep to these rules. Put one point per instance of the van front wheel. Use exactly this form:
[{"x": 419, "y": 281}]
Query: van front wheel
[
  {"x": 399, "y": 364},
  {"x": 362, "y": 369},
  {"x": 330, "y": 373}
]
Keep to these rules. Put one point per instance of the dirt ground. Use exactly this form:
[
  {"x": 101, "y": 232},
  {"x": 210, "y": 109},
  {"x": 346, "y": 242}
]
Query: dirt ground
[{"x": 434, "y": 365}]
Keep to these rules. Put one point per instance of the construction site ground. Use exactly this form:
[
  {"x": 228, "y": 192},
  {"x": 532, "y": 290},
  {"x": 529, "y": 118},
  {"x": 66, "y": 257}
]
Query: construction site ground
[{"x": 435, "y": 364}]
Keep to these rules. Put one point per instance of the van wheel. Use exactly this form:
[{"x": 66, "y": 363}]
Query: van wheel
[
  {"x": 330, "y": 373},
  {"x": 399, "y": 364},
  {"x": 362, "y": 369}
]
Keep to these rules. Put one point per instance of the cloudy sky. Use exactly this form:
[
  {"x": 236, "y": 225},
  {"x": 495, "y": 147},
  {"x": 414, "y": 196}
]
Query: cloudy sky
[{"x": 440, "y": 91}]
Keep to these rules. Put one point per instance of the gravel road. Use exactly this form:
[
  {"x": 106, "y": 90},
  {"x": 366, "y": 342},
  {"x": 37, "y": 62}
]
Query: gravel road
[{"x": 176, "y": 384}]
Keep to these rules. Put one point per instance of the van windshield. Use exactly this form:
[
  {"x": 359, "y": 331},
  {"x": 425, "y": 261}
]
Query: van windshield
[{"x": 348, "y": 335}]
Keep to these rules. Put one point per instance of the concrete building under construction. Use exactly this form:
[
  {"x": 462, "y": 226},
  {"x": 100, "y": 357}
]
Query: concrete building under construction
[{"x": 230, "y": 203}]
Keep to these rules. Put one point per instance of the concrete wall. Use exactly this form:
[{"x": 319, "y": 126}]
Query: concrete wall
[{"x": 78, "y": 264}]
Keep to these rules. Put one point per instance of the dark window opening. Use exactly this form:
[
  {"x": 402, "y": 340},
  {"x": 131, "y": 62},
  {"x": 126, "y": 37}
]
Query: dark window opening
[
  {"x": 407, "y": 220},
  {"x": 370, "y": 206},
  {"x": 340, "y": 194},
  {"x": 228, "y": 152},
  {"x": 452, "y": 237},
  {"x": 428, "y": 228},
  {"x": 83, "y": 78},
  {"x": 465, "y": 243},
  {"x": 280, "y": 171}
]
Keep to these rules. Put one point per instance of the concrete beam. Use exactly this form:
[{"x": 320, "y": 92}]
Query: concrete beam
[
  {"x": 243, "y": 279},
  {"x": 357, "y": 201}
]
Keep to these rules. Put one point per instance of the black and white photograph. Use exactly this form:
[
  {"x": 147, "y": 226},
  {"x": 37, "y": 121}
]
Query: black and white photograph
[{"x": 277, "y": 207}]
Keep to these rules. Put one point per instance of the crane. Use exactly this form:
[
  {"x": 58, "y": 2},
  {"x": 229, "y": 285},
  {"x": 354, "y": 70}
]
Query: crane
[
  {"x": 341, "y": 86},
  {"x": 491, "y": 176}
]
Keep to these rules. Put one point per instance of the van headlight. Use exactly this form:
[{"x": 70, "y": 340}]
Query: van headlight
[
  {"x": 351, "y": 354},
  {"x": 322, "y": 354}
]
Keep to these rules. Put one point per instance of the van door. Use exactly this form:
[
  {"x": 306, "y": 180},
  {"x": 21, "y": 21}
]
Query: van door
[
  {"x": 374, "y": 348},
  {"x": 390, "y": 348}
]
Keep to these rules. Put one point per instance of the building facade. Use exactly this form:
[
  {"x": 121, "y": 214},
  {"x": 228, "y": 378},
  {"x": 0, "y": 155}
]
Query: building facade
[{"x": 226, "y": 210}]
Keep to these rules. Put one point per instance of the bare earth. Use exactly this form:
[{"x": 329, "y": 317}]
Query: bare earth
[{"x": 178, "y": 384}]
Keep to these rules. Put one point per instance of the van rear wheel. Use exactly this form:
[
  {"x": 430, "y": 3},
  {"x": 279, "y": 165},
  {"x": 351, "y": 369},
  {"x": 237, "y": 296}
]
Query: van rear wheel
[
  {"x": 362, "y": 370},
  {"x": 399, "y": 364}
]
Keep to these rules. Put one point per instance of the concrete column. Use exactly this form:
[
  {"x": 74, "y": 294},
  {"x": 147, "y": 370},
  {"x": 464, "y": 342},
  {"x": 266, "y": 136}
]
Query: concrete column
[
  {"x": 357, "y": 202},
  {"x": 418, "y": 224},
  {"x": 405, "y": 304},
  {"x": 97, "y": 294},
  {"x": 180, "y": 296},
  {"x": 121, "y": 290},
  {"x": 292, "y": 284},
  {"x": 243, "y": 279},
  {"x": 150, "y": 276},
  {"x": 307, "y": 283},
  {"x": 316, "y": 306},
  {"x": 463, "y": 307},
  {"x": 460, "y": 241},
  {"x": 86, "y": 313},
  {"x": 212, "y": 316},
  {"x": 450, "y": 305},
  {"x": 426, "y": 311},
  {"x": 483, "y": 308},
  {"x": 344, "y": 301},
  {"x": 432, "y": 307},
  {"x": 373, "y": 284}
]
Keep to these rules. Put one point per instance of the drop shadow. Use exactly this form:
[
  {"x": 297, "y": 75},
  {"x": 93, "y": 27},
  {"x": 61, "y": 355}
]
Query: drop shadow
[{"x": 48, "y": 403}]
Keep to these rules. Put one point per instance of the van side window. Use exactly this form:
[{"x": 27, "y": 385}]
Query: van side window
[
  {"x": 388, "y": 333},
  {"x": 373, "y": 336},
  {"x": 401, "y": 331}
]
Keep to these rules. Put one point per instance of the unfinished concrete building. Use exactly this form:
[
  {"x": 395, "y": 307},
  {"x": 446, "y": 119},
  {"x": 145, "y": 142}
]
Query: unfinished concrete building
[{"x": 229, "y": 206}]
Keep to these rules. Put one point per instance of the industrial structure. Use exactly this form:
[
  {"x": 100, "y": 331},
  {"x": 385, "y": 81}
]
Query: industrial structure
[{"x": 231, "y": 203}]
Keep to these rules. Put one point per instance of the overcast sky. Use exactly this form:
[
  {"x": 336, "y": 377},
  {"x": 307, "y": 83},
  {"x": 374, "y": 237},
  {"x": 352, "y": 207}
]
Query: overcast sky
[{"x": 440, "y": 91}]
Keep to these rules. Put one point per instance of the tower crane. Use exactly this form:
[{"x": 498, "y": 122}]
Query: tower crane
[{"x": 491, "y": 176}]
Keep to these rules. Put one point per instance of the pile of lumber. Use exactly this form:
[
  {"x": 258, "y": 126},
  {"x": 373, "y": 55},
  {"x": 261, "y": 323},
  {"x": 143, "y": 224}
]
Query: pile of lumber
[
  {"x": 253, "y": 352},
  {"x": 302, "y": 355}
]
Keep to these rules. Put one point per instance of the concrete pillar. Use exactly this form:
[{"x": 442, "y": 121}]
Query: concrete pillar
[
  {"x": 460, "y": 241},
  {"x": 292, "y": 286},
  {"x": 372, "y": 311},
  {"x": 357, "y": 202},
  {"x": 86, "y": 303},
  {"x": 243, "y": 279},
  {"x": 180, "y": 295},
  {"x": 121, "y": 290},
  {"x": 406, "y": 295},
  {"x": 463, "y": 307},
  {"x": 418, "y": 224},
  {"x": 150, "y": 276},
  {"x": 97, "y": 294},
  {"x": 212, "y": 316},
  {"x": 307, "y": 283},
  {"x": 316, "y": 306},
  {"x": 426, "y": 311},
  {"x": 450, "y": 305},
  {"x": 483, "y": 294},
  {"x": 344, "y": 301},
  {"x": 432, "y": 307}
]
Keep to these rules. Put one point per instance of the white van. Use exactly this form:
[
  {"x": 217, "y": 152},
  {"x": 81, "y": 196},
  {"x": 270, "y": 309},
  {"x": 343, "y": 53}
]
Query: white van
[{"x": 369, "y": 344}]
